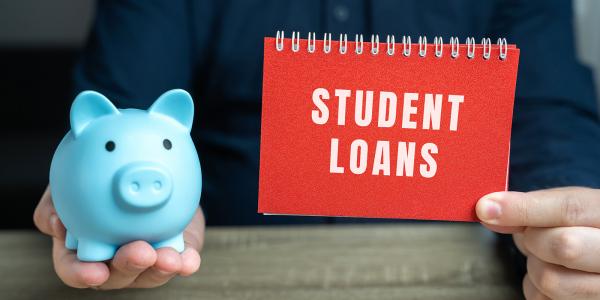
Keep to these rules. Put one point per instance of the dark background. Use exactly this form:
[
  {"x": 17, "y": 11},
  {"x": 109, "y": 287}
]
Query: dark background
[{"x": 39, "y": 45}]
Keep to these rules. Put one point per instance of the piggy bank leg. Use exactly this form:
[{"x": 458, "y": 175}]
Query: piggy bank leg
[
  {"x": 175, "y": 242},
  {"x": 70, "y": 241},
  {"x": 89, "y": 250}
]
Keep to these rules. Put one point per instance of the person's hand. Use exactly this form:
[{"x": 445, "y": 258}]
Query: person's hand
[
  {"x": 559, "y": 232},
  {"x": 135, "y": 265}
]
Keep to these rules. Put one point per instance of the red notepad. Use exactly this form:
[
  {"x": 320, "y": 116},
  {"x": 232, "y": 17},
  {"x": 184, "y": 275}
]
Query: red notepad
[{"x": 397, "y": 130}]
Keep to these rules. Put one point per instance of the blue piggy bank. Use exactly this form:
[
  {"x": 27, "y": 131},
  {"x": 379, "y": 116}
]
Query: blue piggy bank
[{"x": 121, "y": 175}]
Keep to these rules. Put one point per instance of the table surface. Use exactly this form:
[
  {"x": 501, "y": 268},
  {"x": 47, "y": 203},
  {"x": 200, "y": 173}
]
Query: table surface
[{"x": 400, "y": 261}]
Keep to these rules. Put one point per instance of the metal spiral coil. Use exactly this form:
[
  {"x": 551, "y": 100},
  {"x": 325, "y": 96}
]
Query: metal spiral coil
[{"x": 390, "y": 44}]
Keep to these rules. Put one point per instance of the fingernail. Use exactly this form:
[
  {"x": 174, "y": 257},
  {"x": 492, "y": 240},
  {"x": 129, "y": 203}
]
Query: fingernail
[
  {"x": 53, "y": 222},
  {"x": 489, "y": 211}
]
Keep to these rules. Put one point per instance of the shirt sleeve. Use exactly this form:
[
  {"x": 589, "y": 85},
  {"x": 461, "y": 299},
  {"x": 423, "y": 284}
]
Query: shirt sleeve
[
  {"x": 556, "y": 131},
  {"x": 136, "y": 51}
]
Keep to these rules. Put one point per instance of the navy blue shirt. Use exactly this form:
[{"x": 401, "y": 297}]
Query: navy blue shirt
[{"x": 139, "y": 49}]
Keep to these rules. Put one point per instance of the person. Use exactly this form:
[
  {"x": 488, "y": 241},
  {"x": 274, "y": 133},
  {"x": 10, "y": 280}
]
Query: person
[{"x": 137, "y": 50}]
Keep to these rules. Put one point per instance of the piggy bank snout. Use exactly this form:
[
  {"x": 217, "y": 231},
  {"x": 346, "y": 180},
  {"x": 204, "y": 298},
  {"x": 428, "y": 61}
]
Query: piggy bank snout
[{"x": 143, "y": 185}]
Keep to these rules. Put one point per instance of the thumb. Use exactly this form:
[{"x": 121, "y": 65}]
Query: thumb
[
  {"x": 484, "y": 209},
  {"x": 46, "y": 219}
]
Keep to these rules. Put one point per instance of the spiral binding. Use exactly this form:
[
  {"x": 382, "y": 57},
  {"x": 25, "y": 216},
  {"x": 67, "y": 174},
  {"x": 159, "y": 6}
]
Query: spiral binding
[{"x": 391, "y": 45}]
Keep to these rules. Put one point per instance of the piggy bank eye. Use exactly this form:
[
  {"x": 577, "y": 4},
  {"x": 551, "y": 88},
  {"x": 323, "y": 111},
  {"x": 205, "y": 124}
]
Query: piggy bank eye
[
  {"x": 167, "y": 144},
  {"x": 110, "y": 146}
]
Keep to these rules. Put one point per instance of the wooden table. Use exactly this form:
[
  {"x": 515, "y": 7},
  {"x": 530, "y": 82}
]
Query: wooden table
[{"x": 400, "y": 261}]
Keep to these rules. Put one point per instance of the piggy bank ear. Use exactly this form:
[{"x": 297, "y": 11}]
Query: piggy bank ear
[
  {"x": 88, "y": 106},
  {"x": 176, "y": 104}
]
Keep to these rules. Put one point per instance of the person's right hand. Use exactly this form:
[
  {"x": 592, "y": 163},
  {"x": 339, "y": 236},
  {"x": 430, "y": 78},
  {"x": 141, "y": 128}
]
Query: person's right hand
[{"x": 135, "y": 265}]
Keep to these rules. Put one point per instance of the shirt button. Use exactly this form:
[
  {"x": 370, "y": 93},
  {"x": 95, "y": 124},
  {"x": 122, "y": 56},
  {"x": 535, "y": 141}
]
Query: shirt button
[{"x": 341, "y": 13}]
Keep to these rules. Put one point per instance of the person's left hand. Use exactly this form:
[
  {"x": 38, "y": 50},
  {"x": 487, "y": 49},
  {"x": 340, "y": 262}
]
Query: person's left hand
[{"x": 559, "y": 232}]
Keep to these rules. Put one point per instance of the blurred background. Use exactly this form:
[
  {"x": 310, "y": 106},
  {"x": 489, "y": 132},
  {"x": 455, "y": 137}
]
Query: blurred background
[{"x": 39, "y": 44}]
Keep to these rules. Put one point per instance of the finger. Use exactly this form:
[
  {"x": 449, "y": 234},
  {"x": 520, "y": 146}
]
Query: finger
[
  {"x": 194, "y": 239},
  {"x": 545, "y": 208},
  {"x": 572, "y": 247},
  {"x": 168, "y": 264},
  {"x": 190, "y": 262},
  {"x": 45, "y": 217},
  {"x": 558, "y": 282},
  {"x": 194, "y": 232},
  {"x": 518, "y": 239},
  {"x": 531, "y": 292},
  {"x": 75, "y": 273},
  {"x": 129, "y": 262}
]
